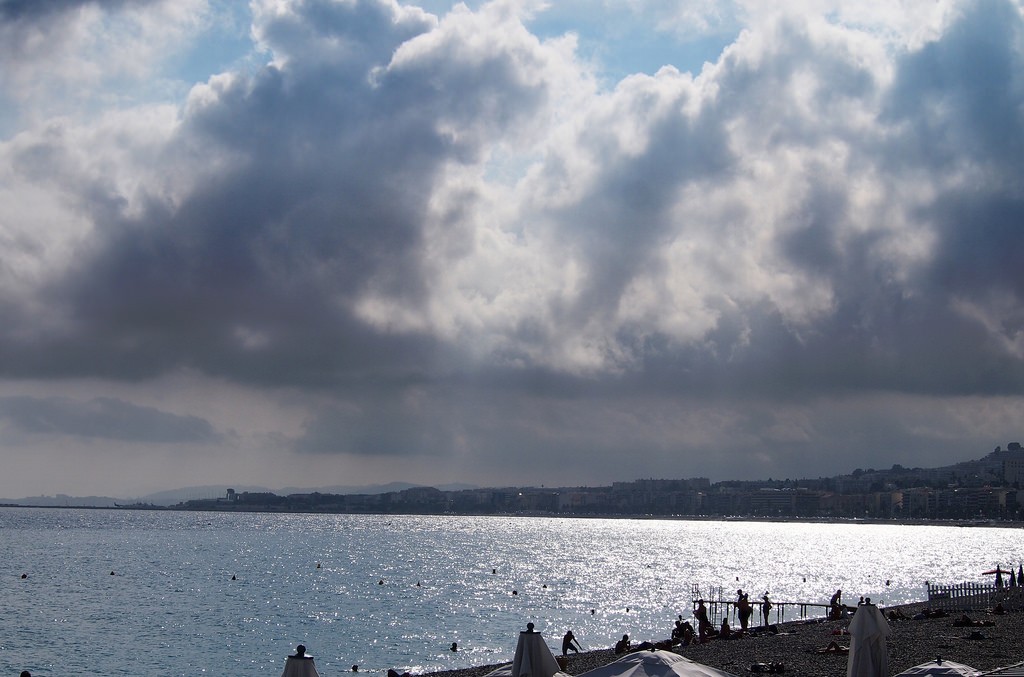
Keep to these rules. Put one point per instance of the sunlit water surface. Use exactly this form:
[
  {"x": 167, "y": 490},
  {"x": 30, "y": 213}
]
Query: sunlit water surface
[{"x": 394, "y": 591}]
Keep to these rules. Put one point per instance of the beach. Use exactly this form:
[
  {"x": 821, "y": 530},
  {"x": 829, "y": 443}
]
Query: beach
[{"x": 796, "y": 646}]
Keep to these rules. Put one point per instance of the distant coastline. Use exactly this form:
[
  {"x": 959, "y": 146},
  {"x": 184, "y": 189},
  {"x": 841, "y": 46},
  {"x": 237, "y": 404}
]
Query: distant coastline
[{"x": 981, "y": 492}]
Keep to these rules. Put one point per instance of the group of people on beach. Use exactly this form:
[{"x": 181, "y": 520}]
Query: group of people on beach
[{"x": 684, "y": 634}]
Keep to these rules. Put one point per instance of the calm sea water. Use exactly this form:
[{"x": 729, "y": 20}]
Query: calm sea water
[{"x": 396, "y": 591}]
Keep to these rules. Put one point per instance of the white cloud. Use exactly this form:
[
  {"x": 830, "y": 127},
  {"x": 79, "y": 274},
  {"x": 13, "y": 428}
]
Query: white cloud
[{"x": 444, "y": 235}]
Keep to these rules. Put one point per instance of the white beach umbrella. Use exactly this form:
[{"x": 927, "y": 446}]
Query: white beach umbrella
[
  {"x": 299, "y": 666},
  {"x": 533, "y": 658},
  {"x": 655, "y": 664},
  {"x": 941, "y": 667},
  {"x": 869, "y": 656}
]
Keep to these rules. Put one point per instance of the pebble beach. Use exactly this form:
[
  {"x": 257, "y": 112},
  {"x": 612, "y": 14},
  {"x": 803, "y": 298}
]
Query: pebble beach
[{"x": 796, "y": 646}]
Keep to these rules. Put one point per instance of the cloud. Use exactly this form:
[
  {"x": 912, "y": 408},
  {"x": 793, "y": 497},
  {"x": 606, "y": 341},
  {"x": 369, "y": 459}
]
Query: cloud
[
  {"x": 454, "y": 240},
  {"x": 101, "y": 419}
]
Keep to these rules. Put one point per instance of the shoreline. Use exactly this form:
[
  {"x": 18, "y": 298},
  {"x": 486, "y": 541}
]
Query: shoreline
[
  {"x": 780, "y": 519},
  {"x": 796, "y": 645}
]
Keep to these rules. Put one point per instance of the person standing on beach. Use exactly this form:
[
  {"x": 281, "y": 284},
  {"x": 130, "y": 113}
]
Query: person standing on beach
[
  {"x": 567, "y": 643},
  {"x": 703, "y": 623},
  {"x": 766, "y": 607},
  {"x": 743, "y": 608}
]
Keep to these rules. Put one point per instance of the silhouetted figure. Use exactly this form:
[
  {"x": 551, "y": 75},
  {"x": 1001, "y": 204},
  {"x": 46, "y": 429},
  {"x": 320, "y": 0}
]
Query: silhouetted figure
[
  {"x": 686, "y": 634},
  {"x": 703, "y": 623},
  {"x": 567, "y": 644},
  {"x": 725, "y": 632},
  {"x": 622, "y": 646},
  {"x": 835, "y": 606},
  {"x": 454, "y": 646},
  {"x": 766, "y": 607},
  {"x": 743, "y": 609}
]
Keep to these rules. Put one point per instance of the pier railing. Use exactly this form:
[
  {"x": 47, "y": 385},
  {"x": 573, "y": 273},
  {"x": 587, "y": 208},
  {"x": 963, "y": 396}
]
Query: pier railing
[
  {"x": 973, "y": 596},
  {"x": 718, "y": 607}
]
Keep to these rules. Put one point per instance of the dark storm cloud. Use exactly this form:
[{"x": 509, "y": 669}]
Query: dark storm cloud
[
  {"x": 102, "y": 418},
  {"x": 959, "y": 97},
  {"x": 335, "y": 153},
  {"x": 255, "y": 273},
  {"x": 795, "y": 225}
]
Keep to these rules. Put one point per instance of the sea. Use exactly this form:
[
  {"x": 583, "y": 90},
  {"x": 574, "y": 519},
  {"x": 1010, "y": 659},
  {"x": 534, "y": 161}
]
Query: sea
[{"x": 142, "y": 592}]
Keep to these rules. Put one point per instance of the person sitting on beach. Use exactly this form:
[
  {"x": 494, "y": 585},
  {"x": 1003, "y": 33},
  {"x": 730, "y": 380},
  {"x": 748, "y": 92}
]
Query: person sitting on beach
[
  {"x": 567, "y": 644},
  {"x": 999, "y": 610},
  {"x": 622, "y": 646},
  {"x": 726, "y": 631},
  {"x": 686, "y": 634}
]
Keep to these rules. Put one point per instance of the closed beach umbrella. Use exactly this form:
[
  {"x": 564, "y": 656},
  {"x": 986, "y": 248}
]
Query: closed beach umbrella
[
  {"x": 941, "y": 667},
  {"x": 299, "y": 666},
  {"x": 869, "y": 656},
  {"x": 533, "y": 657},
  {"x": 655, "y": 664}
]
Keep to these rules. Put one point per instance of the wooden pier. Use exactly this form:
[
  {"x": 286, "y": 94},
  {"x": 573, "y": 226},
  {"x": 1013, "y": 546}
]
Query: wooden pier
[{"x": 719, "y": 607}]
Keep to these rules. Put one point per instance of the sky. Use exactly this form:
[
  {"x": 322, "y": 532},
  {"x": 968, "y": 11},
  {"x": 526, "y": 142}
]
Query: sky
[{"x": 309, "y": 243}]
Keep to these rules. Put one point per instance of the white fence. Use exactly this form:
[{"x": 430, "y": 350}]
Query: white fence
[{"x": 974, "y": 596}]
